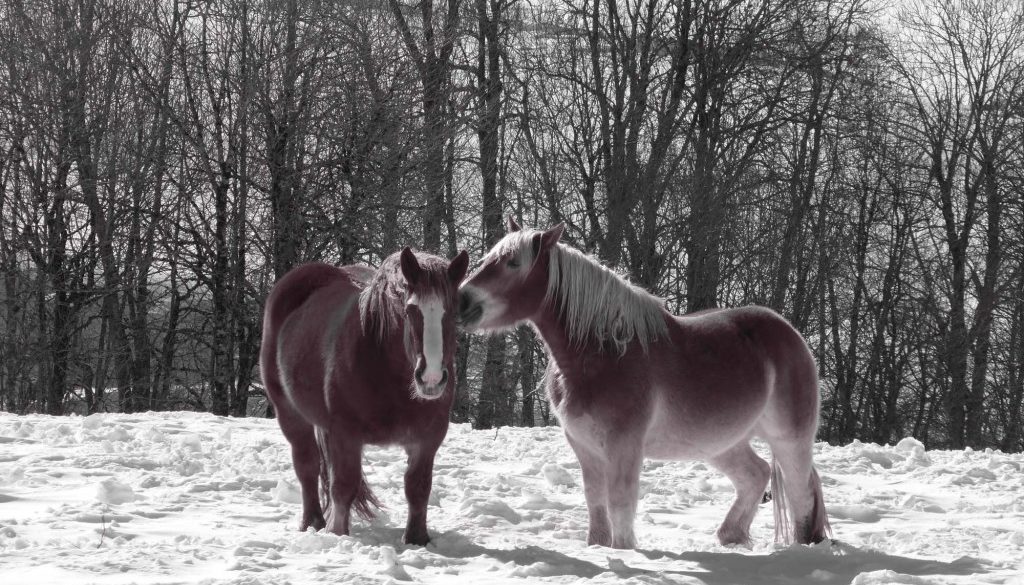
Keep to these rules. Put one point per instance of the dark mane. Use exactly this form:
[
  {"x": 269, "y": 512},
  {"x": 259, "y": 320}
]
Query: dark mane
[{"x": 382, "y": 302}]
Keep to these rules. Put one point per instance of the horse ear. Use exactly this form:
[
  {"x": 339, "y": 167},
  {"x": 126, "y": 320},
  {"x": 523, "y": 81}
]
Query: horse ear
[
  {"x": 410, "y": 267},
  {"x": 457, "y": 267},
  {"x": 512, "y": 224},
  {"x": 551, "y": 237},
  {"x": 545, "y": 240}
]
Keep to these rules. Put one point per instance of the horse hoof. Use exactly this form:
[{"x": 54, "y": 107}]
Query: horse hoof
[
  {"x": 416, "y": 539},
  {"x": 318, "y": 524},
  {"x": 732, "y": 537}
]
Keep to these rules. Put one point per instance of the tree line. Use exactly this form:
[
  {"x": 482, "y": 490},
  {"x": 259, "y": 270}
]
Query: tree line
[{"x": 163, "y": 162}]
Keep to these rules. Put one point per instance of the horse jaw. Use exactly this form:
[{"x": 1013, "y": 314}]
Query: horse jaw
[{"x": 482, "y": 313}]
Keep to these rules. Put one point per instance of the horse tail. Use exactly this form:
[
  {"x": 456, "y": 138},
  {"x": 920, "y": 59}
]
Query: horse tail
[
  {"x": 365, "y": 502},
  {"x": 817, "y": 528},
  {"x": 781, "y": 509},
  {"x": 325, "y": 482}
]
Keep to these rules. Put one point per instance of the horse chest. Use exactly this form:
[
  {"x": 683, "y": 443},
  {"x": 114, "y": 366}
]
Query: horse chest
[
  {"x": 586, "y": 430},
  {"x": 577, "y": 398}
]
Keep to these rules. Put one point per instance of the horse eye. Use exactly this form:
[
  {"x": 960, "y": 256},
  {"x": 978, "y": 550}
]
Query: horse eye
[{"x": 513, "y": 262}]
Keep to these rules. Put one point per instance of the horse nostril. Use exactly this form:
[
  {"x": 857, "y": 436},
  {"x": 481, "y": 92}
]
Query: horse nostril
[
  {"x": 418, "y": 374},
  {"x": 444, "y": 377}
]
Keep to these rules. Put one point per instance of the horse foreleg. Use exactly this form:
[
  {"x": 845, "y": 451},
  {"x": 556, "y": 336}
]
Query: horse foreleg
[
  {"x": 345, "y": 474},
  {"x": 749, "y": 476},
  {"x": 595, "y": 490},
  {"x": 418, "y": 480},
  {"x": 622, "y": 470}
]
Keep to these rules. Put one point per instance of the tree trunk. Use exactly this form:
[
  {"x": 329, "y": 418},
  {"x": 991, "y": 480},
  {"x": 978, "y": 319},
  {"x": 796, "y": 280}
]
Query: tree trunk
[
  {"x": 706, "y": 221},
  {"x": 433, "y": 62},
  {"x": 282, "y": 133},
  {"x": 492, "y": 404},
  {"x": 221, "y": 373},
  {"x": 981, "y": 330}
]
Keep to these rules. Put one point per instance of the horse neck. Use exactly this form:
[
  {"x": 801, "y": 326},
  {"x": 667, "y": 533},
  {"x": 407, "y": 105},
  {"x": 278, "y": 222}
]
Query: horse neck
[{"x": 553, "y": 330}]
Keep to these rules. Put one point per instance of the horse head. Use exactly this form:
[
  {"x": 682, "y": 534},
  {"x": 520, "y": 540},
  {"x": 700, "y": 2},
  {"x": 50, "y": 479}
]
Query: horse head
[
  {"x": 511, "y": 282},
  {"x": 430, "y": 309}
]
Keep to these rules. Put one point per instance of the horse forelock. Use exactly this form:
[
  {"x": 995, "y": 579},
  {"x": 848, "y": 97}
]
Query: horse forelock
[
  {"x": 598, "y": 304},
  {"x": 382, "y": 302},
  {"x": 514, "y": 243}
]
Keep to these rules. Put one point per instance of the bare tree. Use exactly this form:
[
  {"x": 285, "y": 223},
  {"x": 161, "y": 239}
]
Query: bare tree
[
  {"x": 963, "y": 65},
  {"x": 430, "y": 47}
]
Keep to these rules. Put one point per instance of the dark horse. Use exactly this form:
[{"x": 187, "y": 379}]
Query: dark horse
[
  {"x": 353, "y": 357},
  {"x": 627, "y": 380}
]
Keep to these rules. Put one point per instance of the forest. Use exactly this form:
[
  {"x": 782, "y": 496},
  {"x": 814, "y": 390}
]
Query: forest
[{"x": 857, "y": 167}]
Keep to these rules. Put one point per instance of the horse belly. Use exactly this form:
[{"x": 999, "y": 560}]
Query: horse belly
[{"x": 685, "y": 431}]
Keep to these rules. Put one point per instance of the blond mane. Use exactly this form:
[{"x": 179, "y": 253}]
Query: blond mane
[{"x": 596, "y": 303}]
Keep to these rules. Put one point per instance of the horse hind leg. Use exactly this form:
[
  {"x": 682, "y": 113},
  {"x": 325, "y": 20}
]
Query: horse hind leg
[
  {"x": 306, "y": 459},
  {"x": 749, "y": 475},
  {"x": 346, "y": 486},
  {"x": 796, "y": 493}
]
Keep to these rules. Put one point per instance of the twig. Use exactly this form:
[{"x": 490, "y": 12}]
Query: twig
[{"x": 103, "y": 519}]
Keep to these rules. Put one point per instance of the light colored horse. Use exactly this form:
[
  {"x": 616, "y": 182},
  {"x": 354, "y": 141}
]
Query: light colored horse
[
  {"x": 629, "y": 380},
  {"x": 351, "y": 356}
]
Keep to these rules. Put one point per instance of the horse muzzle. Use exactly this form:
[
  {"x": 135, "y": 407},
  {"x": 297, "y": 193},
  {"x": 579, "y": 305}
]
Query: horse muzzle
[
  {"x": 428, "y": 387},
  {"x": 471, "y": 310}
]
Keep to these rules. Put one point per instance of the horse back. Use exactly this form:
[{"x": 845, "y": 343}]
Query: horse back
[
  {"x": 743, "y": 337},
  {"x": 296, "y": 286}
]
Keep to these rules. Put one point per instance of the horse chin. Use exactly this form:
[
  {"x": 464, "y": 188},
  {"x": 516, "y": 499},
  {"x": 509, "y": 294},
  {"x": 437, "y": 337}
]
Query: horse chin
[
  {"x": 428, "y": 392},
  {"x": 494, "y": 328},
  {"x": 487, "y": 322}
]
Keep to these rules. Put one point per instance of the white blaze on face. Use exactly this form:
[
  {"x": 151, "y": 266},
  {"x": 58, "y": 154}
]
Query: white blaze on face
[{"x": 433, "y": 338}]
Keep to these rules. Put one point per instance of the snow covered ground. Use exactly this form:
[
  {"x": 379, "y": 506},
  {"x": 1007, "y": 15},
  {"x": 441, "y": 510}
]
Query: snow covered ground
[{"x": 193, "y": 498}]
